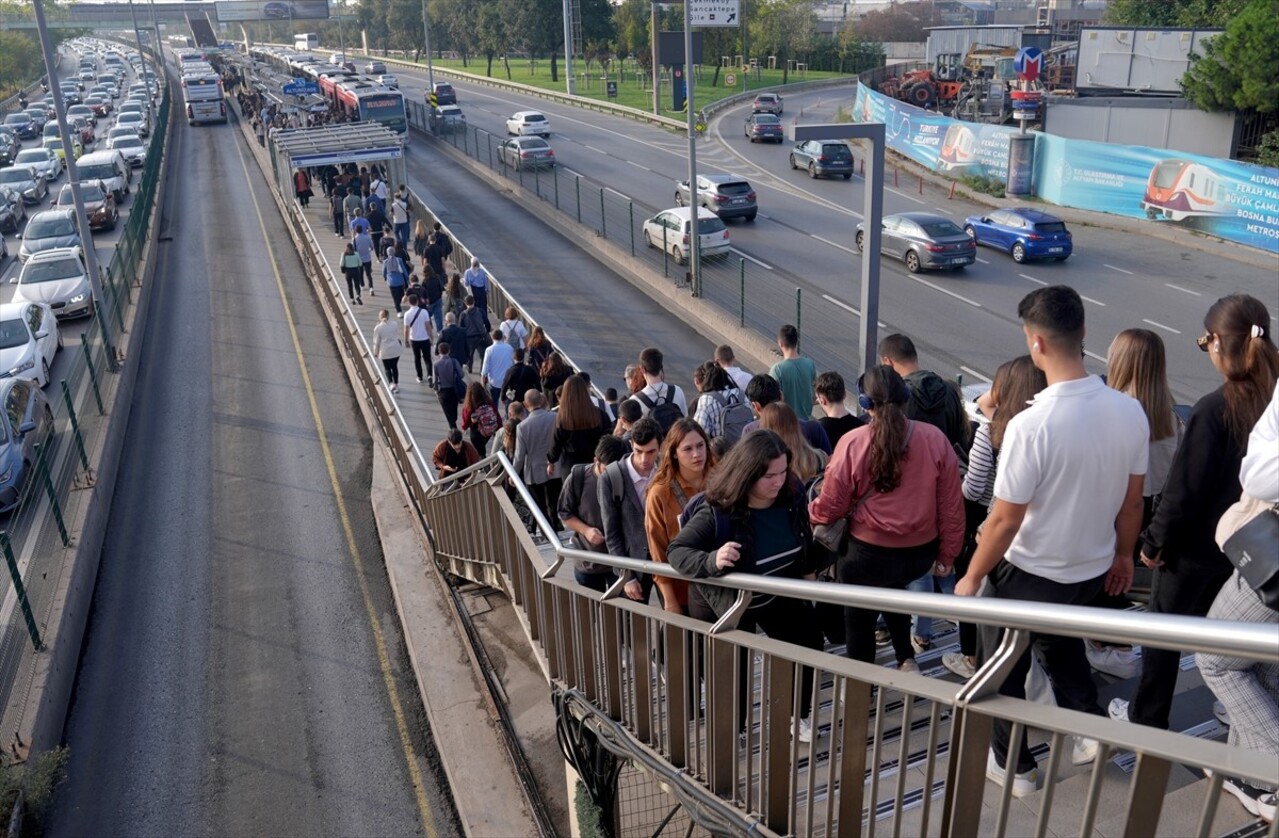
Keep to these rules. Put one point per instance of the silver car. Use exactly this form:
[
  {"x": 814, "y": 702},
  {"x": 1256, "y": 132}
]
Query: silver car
[
  {"x": 728, "y": 196},
  {"x": 27, "y": 182},
  {"x": 526, "y": 153},
  {"x": 49, "y": 229},
  {"x": 923, "y": 240},
  {"x": 46, "y": 163},
  {"x": 59, "y": 279}
]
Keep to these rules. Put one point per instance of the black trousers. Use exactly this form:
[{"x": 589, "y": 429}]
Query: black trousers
[
  {"x": 352, "y": 282},
  {"x": 421, "y": 352},
  {"x": 1188, "y": 588},
  {"x": 787, "y": 620},
  {"x": 392, "y": 367},
  {"x": 1063, "y": 657},
  {"x": 881, "y": 567},
  {"x": 448, "y": 404},
  {"x": 547, "y": 497}
]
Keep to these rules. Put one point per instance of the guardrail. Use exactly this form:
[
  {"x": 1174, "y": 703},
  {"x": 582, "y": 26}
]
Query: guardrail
[{"x": 35, "y": 531}]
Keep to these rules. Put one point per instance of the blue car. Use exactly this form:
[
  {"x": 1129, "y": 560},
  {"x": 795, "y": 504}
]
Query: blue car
[
  {"x": 1025, "y": 233},
  {"x": 25, "y": 420}
]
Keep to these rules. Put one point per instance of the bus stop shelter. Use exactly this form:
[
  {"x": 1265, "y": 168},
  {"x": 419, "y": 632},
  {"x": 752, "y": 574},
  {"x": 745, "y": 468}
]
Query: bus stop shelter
[{"x": 361, "y": 143}]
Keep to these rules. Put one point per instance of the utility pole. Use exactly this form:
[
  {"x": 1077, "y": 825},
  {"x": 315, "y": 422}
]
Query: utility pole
[
  {"x": 570, "y": 86},
  {"x": 82, "y": 220},
  {"x": 142, "y": 59},
  {"x": 657, "y": 68},
  {"x": 695, "y": 233},
  {"x": 430, "y": 70}
]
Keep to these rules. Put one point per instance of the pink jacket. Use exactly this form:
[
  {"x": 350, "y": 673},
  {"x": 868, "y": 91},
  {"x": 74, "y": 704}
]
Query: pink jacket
[{"x": 926, "y": 505}]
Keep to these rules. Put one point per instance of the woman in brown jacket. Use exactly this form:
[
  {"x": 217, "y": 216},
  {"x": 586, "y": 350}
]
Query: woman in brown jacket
[{"x": 686, "y": 461}]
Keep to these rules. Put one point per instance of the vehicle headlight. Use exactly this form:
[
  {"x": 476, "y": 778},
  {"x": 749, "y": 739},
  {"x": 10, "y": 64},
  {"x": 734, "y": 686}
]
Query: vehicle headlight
[
  {"x": 23, "y": 367},
  {"x": 30, "y": 190},
  {"x": 6, "y": 475},
  {"x": 78, "y": 298}
]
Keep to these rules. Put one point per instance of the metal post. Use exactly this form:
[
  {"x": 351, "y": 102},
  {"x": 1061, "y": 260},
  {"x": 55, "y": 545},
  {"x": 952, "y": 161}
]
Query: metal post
[
  {"x": 75, "y": 425},
  {"x": 657, "y": 68},
  {"x": 21, "y": 590},
  {"x": 106, "y": 337},
  {"x": 570, "y": 87},
  {"x": 577, "y": 184},
  {"x": 341, "y": 36},
  {"x": 490, "y": 145},
  {"x": 537, "y": 181},
  {"x": 430, "y": 68},
  {"x": 82, "y": 219},
  {"x": 694, "y": 203},
  {"x": 159, "y": 50},
  {"x": 630, "y": 207},
  {"x": 555, "y": 170},
  {"x": 137, "y": 34},
  {"x": 666, "y": 256},
  {"x": 741, "y": 279},
  {"x": 42, "y": 466},
  {"x": 93, "y": 373},
  {"x": 799, "y": 295},
  {"x": 603, "y": 216}
]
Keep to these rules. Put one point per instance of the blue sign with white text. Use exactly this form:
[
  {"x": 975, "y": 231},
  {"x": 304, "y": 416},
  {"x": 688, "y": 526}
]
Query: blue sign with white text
[{"x": 300, "y": 87}]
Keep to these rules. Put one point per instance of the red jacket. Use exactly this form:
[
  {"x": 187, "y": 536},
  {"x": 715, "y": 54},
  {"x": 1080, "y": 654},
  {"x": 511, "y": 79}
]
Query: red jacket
[{"x": 926, "y": 505}]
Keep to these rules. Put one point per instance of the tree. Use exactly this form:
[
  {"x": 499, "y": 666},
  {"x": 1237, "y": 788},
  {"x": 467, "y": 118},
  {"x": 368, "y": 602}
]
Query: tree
[
  {"x": 901, "y": 22},
  {"x": 1179, "y": 14},
  {"x": 21, "y": 62},
  {"x": 784, "y": 28},
  {"x": 1237, "y": 69},
  {"x": 492, "y": 37}
]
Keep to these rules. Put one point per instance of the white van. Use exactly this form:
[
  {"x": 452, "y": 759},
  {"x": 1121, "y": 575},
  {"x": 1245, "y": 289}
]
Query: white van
[{"x": 108, "y": 166}]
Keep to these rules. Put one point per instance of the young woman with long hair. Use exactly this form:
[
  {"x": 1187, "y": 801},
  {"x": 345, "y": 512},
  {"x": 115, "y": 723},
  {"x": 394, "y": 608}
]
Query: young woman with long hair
[
  {"x": 682, "y": 468},
  {"x": 1203, "y": 481},
  {"x": 539, "y": 346},
  {"x": 554, "y": 372},
  {"x": 477, "y": 399},
  {"x": 806, "y": 461},
  {"x": 1136, "y": 365},
  {"x": 897, "y": 483},
  {"x": 753, "y": 497},
  {"x": 579, "y": 424}
]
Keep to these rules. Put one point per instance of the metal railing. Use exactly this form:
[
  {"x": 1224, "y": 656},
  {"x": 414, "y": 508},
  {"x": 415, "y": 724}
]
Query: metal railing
[{"x": 886, "y": 744}]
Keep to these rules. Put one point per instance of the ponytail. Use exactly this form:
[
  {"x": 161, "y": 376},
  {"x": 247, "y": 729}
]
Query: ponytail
[{"x": 887, "y": 446}]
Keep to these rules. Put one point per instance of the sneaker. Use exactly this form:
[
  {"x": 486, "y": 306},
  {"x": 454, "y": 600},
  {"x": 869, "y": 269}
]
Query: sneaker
[
  {"x": 804, "y": 732},
  {"x": 1118, "y": 709},
  {"x": 371, "y": 294},
  {"x": 1121, "y": 662},
  {"x": 1084, "y": 750},
  {"x": 921, "y": 644},
  {"x": 1257, "y": 801},
  {"x": 1023, "y": 784},
  {"x": 908, "y": 665},
  {"x": 1219, "y": 710},
  {"x": 960, "y": 664},
  {"x": 419, "y": 379},
  {"x": 395, "y": 388},
  {"x": 359, "y": 302},
  {"x": 883, "y": 637}
]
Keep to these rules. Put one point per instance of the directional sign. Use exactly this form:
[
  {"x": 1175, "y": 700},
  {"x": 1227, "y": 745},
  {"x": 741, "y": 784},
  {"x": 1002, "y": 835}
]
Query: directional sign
[
  {"x": 715, "y": 12},
  {"x": 1028, "y": 63},
  {"x": 300, "y": 87}
]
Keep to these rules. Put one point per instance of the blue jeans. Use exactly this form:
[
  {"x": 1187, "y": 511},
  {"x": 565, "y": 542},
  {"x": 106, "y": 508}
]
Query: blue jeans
[
  {"x": 595, "y": 581},
  {"x": 921, "y": 626},
  {"x": 402, "y": 233},
  {"x": 436, "y": 310}
]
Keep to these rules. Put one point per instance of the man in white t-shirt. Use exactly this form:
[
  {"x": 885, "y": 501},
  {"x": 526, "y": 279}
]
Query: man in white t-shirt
[
  {"x": 728, "y": 363},
  {"x": 656, "y": 391},
  {"x": 1067, "y": 512}
]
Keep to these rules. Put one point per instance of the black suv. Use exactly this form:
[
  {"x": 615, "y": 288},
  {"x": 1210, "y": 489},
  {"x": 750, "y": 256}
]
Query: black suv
[{"x": 444, "y": 94}]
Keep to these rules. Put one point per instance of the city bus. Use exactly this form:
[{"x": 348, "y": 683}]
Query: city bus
[
  {"x": 371, "y": 102},
  {"x": 203, "y": 99},
  {"x": 307, "y": 41}
]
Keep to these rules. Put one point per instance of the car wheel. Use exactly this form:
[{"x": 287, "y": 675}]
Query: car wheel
[
  {"x": 912, "y": 261},
  {"x": 648, "y": 240},
  {"x": 678, "y": 254},
  {"x": 44, "y": 368},
  {"x": 679, "y": 199},
  {"x": 812, "y": 170},
  {"x": 1019, "y": 253},
  {"x": 792, "y": 162},
  {"x": 861, "y": 242},
  {"x": 848, "y": 175},
  {"x": 750, "y": 217},
  {"x": 1063, "y": 258}
]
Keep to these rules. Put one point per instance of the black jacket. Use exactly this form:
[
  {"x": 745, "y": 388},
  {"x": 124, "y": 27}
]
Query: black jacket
[
  {"x": 455, "y": 337},
  {"x": 520, "y": 378},
  {"x": 1202, "y": 482},
  {"x": 935, "y": 401},
  {"x": 692, "y": 551}
]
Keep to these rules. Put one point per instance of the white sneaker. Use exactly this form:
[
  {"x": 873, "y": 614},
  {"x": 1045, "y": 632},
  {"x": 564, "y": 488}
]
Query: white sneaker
[
  {"x": 908, "y": 665},
  {"x": 960, "y": 664},
  {"x": 804, "y": 732},
  {"x": 1023, "y": 784},
  {"x": 1257, "y": 801},
  {"x": 1121, "y": 662},
  {"x": 1084, "y": 750},
  {"x": 1219, "y": 710},
  {"x": 1118, "y": 709}
]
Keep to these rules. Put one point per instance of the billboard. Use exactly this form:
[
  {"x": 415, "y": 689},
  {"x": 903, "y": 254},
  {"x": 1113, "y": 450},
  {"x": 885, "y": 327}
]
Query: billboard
[
  {"x": 938, "y": 142},
  {"x": 1224, "y": 198},
  {"x": 232, "y": 10}
]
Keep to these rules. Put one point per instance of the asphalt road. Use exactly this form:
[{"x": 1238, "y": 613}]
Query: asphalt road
[
  {"x": 243, "y": 648},
  {"x": 804, "y": 238}
]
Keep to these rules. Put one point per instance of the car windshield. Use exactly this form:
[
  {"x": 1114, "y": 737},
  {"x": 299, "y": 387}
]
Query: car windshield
[
  {"x": 97, "y": 171},
  {"x": 1050, "y": 227},
  {"x": 17, "y": 119},
  {"x": 936, "y": 229},
  {"x": 53, "y": 142},
  {"x": 51, "y": 271},
  {"x": 43, "y": 228},
  {"x": 13, "y": 333},
  {"x": 835, "y": 150},
  {"x": 706, "y": 226},
  {"x": 128, "y": 117},
  {"x": 15, "y": 175},
  {"x": 91, "y": 193},
  {"x": 126, "y": 141},
  {"x": 32, "y": 155}
]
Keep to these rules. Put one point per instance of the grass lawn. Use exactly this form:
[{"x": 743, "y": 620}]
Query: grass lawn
[{"x": 631, "y": 90}]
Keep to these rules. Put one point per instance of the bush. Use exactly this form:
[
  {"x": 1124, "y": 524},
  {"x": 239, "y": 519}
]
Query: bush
[
  {"x": 588, "y": 814},
  {"x": 37, "y": 780},
  {"x": 985, "y": 185},
  {"x": 1268, "y": 150}
]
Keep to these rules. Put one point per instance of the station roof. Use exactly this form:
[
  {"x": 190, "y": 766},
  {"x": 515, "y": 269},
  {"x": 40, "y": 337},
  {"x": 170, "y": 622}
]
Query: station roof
[{"x": 349, "y": 142}]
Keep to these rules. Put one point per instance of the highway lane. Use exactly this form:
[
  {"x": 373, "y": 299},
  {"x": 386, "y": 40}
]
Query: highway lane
[
  {"x": 805, "y": 230},
  {"x": 243, "y": 672}
]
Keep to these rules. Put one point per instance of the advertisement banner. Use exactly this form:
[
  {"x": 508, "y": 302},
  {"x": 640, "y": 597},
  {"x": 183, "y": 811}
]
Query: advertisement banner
[
  {"x": 1225, "y": 198},
  {"x": 231, "y": 10},
  {"x": 938, "y": 142}
]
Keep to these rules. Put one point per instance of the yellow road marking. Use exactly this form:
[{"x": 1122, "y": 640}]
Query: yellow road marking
[{"x": 384, "y": 659}]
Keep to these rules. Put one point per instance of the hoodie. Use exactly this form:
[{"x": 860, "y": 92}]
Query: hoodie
[{"x": 935, "y": 401}]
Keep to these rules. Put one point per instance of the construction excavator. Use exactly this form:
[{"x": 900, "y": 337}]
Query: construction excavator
[{"x": 953, "y": 78}]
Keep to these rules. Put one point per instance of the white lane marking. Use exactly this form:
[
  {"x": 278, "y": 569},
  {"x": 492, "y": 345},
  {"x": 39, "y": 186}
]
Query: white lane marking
[
  {"x": 1032, "y": 279},
  {"x": 983, "y": 261},
  {"x": 943, "y": 212},
  {"x": 846, "y": 307},
  {"x": 852, "y": 250},
  {"x": 976, "y": 374},
  {"x": 907, "y": 197},
  {"x": 748, "y": 257},
  {"x": 593, "y": 148},
  {"x": 639, "y": 166},
  {"x": 618, "y": 194},
  {"x": 1095, "y": 356},
  {"x": 1121, "y": 270},
  {"x": 1161, "y": 326},
  {"x": 946, "y": 291},
  {"x": 1183, "y": 290},
  {"x": 572, "y": 172},
  {"x": 769, "y": 217},
  {"x": 1091, "y": 300}
]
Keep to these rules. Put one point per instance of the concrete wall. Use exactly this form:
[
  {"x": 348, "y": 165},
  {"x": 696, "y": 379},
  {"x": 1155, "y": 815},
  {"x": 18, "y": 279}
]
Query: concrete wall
[{"x": 1174, "y": 124}]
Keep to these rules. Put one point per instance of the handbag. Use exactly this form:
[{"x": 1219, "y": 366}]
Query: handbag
[{"x": 1254, "y": 551}]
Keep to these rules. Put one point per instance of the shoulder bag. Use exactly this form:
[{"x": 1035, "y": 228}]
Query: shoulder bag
[{"x": 1248, "y": 535}]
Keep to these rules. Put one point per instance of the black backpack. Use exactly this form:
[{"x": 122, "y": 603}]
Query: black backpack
[{"x": 664, "y": 411}]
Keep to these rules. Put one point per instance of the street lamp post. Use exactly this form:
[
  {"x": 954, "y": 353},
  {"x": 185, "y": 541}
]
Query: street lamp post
[
  {"x": 430, "y": 69},
  {"x": 695, "y": 233},
  {"x": 142, "y": 57}
]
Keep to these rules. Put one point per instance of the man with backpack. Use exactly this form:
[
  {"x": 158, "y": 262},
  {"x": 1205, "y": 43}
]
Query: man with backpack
[
  {"x": 579, "y": 509},
  {"x": 932, "y": 399},
  {"x": 621, "y": 489},
  {"x": 533, "y": 440},
  {"x": 663, "y": 402}
]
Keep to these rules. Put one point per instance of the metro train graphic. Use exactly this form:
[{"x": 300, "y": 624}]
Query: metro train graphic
[
  {"x": 958, "y": 148},
  {"x": 1178, "y": 189}
]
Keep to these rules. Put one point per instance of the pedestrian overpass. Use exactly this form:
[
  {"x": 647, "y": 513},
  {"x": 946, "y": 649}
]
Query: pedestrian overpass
[{"x": 111, "y": 15}]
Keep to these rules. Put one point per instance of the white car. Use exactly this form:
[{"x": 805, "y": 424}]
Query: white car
[
  {"x": 131, "y": 146},
  {"x": 388, "y": 80},
  {"x": 28, "y": 341},
  {"x": 46, "y": 163},
  {"x": 670, "y": 228},
  {"x": 135, "y": 120},
  {"x": 58, "y": 279},
  {"x": 525, "y": 123}
]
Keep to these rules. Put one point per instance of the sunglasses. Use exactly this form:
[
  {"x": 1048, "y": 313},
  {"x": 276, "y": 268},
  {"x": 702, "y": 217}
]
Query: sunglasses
[{"x": 1203, "y": 341}]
